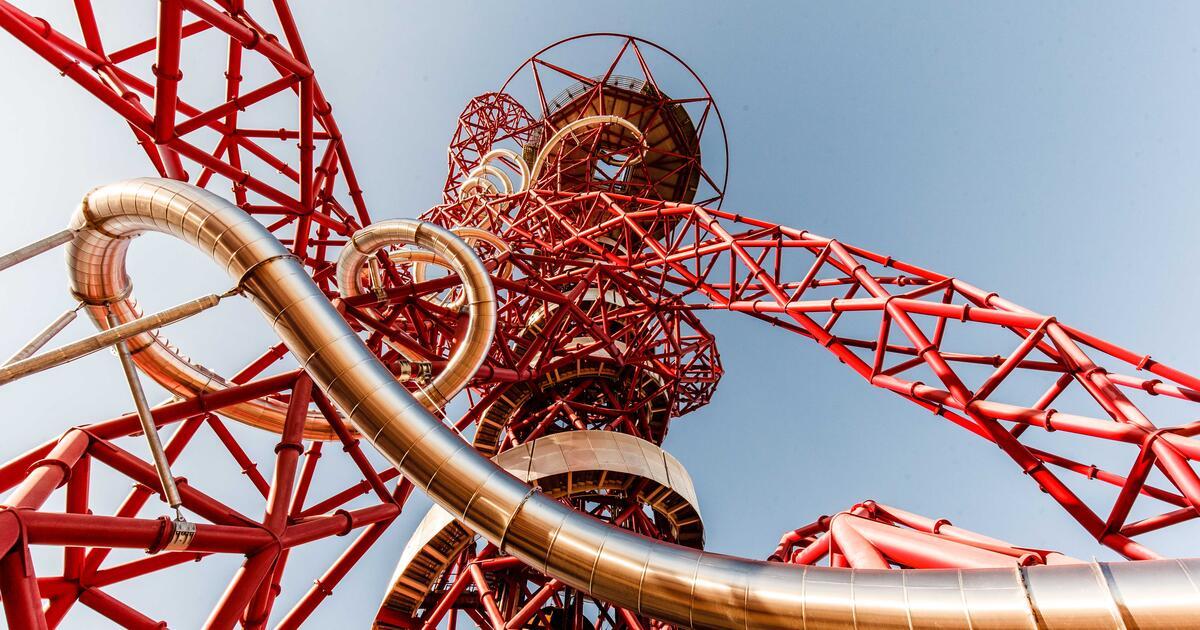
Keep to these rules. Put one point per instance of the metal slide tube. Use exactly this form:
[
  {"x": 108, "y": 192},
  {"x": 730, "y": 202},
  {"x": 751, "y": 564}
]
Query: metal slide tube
[
  {"x": 478, "y": 297},
  {"x": 670, "y": 582},
  {"x": 569, "y": 129},
  {"x": 483, "y": 170},
  {"x": 522, "y": 167},
  {"x": 98, "y": 281},
  {"x": 470, "y": 235}
]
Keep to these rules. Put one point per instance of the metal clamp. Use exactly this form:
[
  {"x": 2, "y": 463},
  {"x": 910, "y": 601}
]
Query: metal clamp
[
  {"x": 419, "y": 371},
  {"x": 182, "y": 533}
]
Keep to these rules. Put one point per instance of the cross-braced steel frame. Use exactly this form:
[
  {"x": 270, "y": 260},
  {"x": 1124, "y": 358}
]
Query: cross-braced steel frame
[{"x": 606, "y": 270}]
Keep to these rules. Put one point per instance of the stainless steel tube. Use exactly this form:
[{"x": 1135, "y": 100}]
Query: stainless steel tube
[
  {"x": 569, "y": 129},
  {"x": 674, "y": 583},
  {"x": 96, "y": 264},
  {"x": 478, "y": 296},
  {"x": 512, "y": 157},
  {"x": 470, "y": 235}
]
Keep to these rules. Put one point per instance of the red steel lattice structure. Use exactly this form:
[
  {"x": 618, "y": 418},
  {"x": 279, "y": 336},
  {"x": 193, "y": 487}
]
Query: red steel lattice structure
[{"x": 608, "y": 251}]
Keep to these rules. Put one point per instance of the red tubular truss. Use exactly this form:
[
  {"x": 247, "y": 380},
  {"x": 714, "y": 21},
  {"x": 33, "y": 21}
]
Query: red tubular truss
[
  {"x": 292, "y": 175},
  {"x": 874, "y": 536},
  {"x": 602, "y": 282},
  {"x": 894, "y": 324},
  {"x": 88, "y": 538}
]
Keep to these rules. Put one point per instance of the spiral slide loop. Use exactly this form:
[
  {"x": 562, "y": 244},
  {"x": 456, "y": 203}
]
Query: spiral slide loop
[
  {"x": 96, "y": 264},
  {"x": 569, "y": 130},
  {"x": 446, "y": 249}
]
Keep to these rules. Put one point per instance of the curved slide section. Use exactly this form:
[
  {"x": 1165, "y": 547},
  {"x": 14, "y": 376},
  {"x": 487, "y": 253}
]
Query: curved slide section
[
  {"x": 561, "y": 465},
  {"x": 478, "y": 297},
  {"x": 670, "y": 582}
]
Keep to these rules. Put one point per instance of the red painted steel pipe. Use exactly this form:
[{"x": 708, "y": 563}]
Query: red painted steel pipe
[
  {"x": 119, "y": 612},
  {"x": 247, "y": 36},
  {"x": 78, "y": 488},
  {"x": 534, "y": 605},
  {"x": 851, "y": 543},
  {"x": 11, "y": 21},
  {"x": 337, "y": 524},
  {"x": 287, "y": 456},
  {"x": 926, "y": 551},
  {"x": 143, "y": 566},
  {"x": 172, "y": 412},
  {"x": 247, "y": 465},
  {"x": 486, "y": 594},
  {"x": 351, "y": 445},
  {"x": 142, "y": 472},
  {"x": 46, "y": 475},
  {"x": 91, "y": 530},
  {"x": 233, "y": 602},
  {"x": 166, "y": 69},
  {"x": 323, "y": 586},
  {"x": 19, "y": 590},
  {"x": 13, "y": 471}
]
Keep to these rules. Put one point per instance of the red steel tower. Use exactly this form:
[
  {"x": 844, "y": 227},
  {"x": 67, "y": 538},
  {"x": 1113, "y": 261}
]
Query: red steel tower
[{"x": 561, "y": 284}]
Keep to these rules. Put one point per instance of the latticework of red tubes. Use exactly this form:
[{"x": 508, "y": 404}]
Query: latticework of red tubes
[
  {"x": 874, "y": 536},
  {"x": 610, "y": 245}
]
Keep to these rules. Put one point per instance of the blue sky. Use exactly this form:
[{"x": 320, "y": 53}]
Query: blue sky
[{"x": 1047, "y": 152}]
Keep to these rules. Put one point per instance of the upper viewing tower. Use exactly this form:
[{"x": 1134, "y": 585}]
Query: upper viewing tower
[{"x": 520, "y": 354}]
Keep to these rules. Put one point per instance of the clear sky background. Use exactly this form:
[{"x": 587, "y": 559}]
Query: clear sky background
[{"x": 1046, "y": 152}]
